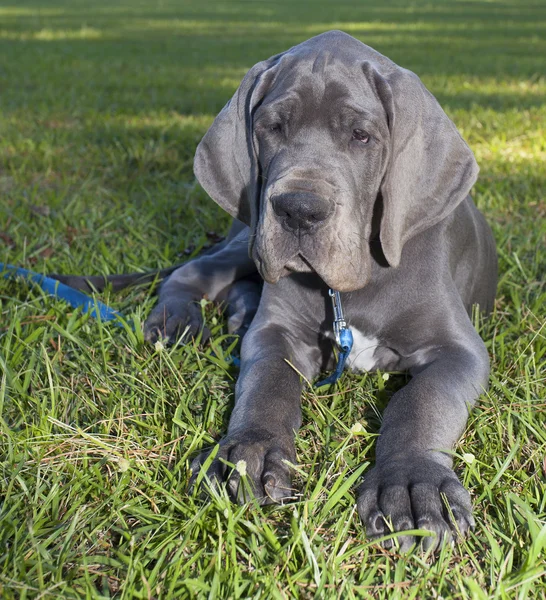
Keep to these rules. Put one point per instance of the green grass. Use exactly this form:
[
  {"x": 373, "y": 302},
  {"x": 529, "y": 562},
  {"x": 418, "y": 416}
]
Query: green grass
[{"x": 101, "y": 106}]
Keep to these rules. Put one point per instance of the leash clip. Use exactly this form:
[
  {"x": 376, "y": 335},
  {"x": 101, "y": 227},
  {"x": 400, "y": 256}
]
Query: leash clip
[
  {"x": 343, "y": 336},
  {"x": 339, "y": 320}
]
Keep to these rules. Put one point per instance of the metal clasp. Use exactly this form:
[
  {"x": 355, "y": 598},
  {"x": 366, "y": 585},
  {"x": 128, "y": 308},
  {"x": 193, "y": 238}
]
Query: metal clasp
[{"x": 339, "y": 320}]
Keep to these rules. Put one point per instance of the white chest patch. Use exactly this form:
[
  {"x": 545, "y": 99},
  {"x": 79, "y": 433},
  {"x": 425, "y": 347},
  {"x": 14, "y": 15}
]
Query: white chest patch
[{"x": 364, "y": 347}]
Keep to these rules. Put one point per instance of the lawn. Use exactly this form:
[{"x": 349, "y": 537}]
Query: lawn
[{"x": 101, "y": 106}]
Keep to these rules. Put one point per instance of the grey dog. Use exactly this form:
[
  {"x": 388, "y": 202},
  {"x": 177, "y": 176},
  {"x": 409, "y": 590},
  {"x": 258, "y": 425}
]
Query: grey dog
[
  {"x": 342, "y": 171},
  {"x": 346, "y": 174}
]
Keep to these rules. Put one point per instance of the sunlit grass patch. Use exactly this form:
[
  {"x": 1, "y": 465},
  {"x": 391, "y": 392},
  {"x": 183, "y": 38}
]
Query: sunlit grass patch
[{"x": 47, "y": 35}]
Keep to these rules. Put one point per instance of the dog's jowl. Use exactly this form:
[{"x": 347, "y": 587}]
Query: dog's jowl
[{"x": 343, "y": 172}]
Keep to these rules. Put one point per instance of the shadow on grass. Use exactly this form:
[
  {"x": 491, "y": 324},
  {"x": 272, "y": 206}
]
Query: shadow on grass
[{"x": 133, "y": 58}]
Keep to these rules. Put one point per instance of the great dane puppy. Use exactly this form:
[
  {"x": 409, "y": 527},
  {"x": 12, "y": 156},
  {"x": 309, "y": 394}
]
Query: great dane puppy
[{"x": 348, "y": 175}]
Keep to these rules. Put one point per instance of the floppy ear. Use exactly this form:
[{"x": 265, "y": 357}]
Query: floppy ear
[
  {"x": 430, "y": 170},
  {"x": 225, "y": 162}
]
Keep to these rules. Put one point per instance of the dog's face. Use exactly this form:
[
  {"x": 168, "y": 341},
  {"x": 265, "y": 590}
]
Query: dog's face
[
  {"x": 322, "y": 148},
  {"x": 309, "y": 142}
]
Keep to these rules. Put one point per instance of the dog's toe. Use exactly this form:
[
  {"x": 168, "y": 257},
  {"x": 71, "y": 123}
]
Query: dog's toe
[
  {"x": 414, "y": 494},
  {"x": 253, "y": 467},
  {"x": 172, "y": 322}
]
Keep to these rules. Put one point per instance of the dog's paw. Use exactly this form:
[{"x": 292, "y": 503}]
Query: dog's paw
[
  {"x": 416, "y": 493},
  {"x": 253, "y": 465},
  {"x": 174, "y": 320}
]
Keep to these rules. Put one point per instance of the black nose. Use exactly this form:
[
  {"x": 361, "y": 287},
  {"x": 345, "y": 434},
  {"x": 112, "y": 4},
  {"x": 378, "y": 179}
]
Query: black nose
[{"x": 301, "y": 210}]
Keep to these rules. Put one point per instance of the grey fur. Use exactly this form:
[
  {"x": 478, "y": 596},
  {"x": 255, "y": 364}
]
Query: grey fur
[{"x": 389, "y": 222}]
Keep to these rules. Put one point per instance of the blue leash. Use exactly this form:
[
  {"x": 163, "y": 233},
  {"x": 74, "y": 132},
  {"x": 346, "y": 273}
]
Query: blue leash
[
  {"x": 344, "y": 339},
  {"x": 55, "y": 288},
  {"x": 77, "y": 299}
]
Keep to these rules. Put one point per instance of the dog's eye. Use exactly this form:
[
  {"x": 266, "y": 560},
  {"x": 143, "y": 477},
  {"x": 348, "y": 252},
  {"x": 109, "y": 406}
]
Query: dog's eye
[
  {"x": 275, "y": 128},
  {"x": 361, "y": 136}
]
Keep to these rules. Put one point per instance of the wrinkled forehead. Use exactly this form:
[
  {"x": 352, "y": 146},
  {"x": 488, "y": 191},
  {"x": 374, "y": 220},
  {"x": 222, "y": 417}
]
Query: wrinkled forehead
[{"x": 321, "y": 84}]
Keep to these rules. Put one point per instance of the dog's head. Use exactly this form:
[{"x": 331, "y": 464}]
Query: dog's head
[{"x": 312, "y": 139}]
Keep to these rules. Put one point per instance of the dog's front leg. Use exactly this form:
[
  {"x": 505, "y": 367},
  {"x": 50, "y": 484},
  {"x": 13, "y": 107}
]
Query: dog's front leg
[
  {"x": 177, "y": 312},
  {"x": 267, "y": 412},
  {"x": 413, "y": 485}
]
